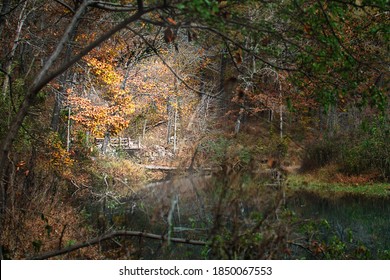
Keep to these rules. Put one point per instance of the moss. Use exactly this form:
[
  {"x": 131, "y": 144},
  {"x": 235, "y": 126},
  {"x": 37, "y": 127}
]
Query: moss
[{"x": 308, "y": 183}]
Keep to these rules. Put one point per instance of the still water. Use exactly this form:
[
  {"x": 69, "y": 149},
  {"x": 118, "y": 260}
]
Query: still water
[
  {"x": 186, "y": 208},
  {"x": 352, "y": 218}
]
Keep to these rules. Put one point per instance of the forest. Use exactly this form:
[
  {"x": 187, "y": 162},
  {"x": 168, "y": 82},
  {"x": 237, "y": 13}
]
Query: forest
[{"x": 194, "y": 129}]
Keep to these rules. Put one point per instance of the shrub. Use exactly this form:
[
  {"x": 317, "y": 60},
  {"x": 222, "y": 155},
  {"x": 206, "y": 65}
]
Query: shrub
[
  {"x": 371, "y": 152},
  {"x": 367, "y": 150},
  {"x": 216, "y": 149},
  {"x": 320, "y": 153}
]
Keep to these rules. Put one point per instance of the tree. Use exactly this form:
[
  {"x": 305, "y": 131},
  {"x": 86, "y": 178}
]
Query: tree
[
  {"x": 248, "y": 56},
  {"x": 52, "y": 69}
]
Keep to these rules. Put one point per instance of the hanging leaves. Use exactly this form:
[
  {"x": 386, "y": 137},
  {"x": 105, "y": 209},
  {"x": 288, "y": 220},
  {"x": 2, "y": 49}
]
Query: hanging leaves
[{"x": 169, "y": 36}]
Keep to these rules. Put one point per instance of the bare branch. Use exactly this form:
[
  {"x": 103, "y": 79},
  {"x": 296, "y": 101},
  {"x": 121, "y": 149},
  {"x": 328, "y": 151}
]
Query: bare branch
[
  {"x": 44, "y": 77},
  {"x": 156, "y": 23},
  {"x": 216, "y": 96},
  {"x": 232, "y": 58},
  {"x": 40, "y": 81},
  {"x": 114, "y": 234},
  {"x": 94, "y": 44},
  {"x": 62, "y": 236},
  {"x": 276, "y": 34},
  {"x": 6, "y": 9},
  {"x": 337, "y": 37},
  {"x": 113, "y": 7},
  {"x": 239, "y": 45},
  {"x": 66, "y": 6},
  {"x": 356, "y": 4}
]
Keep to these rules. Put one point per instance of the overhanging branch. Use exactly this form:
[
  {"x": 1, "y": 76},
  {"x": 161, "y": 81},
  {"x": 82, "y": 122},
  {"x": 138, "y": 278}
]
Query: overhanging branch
[
  {"x": 216, "y": 96},
  {"x": 241, "y": 46},
  {"x": 113, "y": 7},
  {"x": 66, "y": 6},
  {"x": 120, "y": 233}
]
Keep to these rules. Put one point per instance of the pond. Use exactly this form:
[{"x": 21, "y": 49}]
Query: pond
[
  {"x": 245, "y": 217},
  {"x": 352, "y": 219}
]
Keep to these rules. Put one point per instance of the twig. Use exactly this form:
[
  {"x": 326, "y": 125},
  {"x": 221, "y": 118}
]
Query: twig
[
  {"x": 170, "y": 218},
  {"x": 337, "y": 37},
  {"x": 62, "y": 236},
  {"x": 66, "y": 6},
  {"x": 216, "y": 96},
  {"x": 302, "y": 247},
  {"x": 127, "y": 185}
]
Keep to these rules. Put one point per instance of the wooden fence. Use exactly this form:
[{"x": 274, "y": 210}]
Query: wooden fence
[{"x": 123, "y": 143}]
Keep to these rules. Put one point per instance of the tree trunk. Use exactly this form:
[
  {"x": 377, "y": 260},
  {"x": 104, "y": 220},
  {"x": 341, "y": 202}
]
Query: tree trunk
[
  {"x": 175, "y": 129},
  {"x": 59, "y": 96},
  {"x": 169, "y": 124},
  {"x": 281, "y": 109},
  {"x": 68, "y": 132},
  {"x": 39, "y": 82},
  {"x": 144, "y": 128},
  {"x": 47, "y": 74},
  {"x": 8, "y": 67},
  {"x": 105, "y": 142},
  {"x": 5, "y": 8},
  {"x": 200, "y": 108},
  {"x": 221, "y": 87},
  {"x": 238, "y": 121}
]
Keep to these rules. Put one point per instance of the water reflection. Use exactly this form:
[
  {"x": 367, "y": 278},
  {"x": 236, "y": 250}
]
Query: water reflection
[
  {"x": 243, "y": 217},
  {"x": 352, "y": 218}
]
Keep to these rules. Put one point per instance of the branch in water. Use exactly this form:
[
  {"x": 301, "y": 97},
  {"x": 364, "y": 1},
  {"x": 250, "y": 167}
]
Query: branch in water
[{"x": 114, "y": 234}]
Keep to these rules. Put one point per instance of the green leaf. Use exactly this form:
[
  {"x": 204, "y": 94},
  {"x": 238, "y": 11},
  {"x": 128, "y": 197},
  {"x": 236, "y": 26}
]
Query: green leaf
[
  {"x": 49, "y": 229},
  {"x": 181, "y": 6},
  {"x": 37, "y": 244}
]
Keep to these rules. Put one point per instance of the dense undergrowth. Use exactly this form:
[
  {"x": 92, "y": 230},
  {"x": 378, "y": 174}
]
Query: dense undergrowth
[{"x": 364, "y": 151}]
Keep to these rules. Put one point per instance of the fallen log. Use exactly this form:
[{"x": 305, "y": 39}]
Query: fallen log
[
  {"x": 170, "y": 168},
  {"x": 159, "y": 167}
]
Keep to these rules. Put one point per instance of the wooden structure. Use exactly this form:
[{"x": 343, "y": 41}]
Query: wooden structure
[{"x": 122, "y": 143}]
